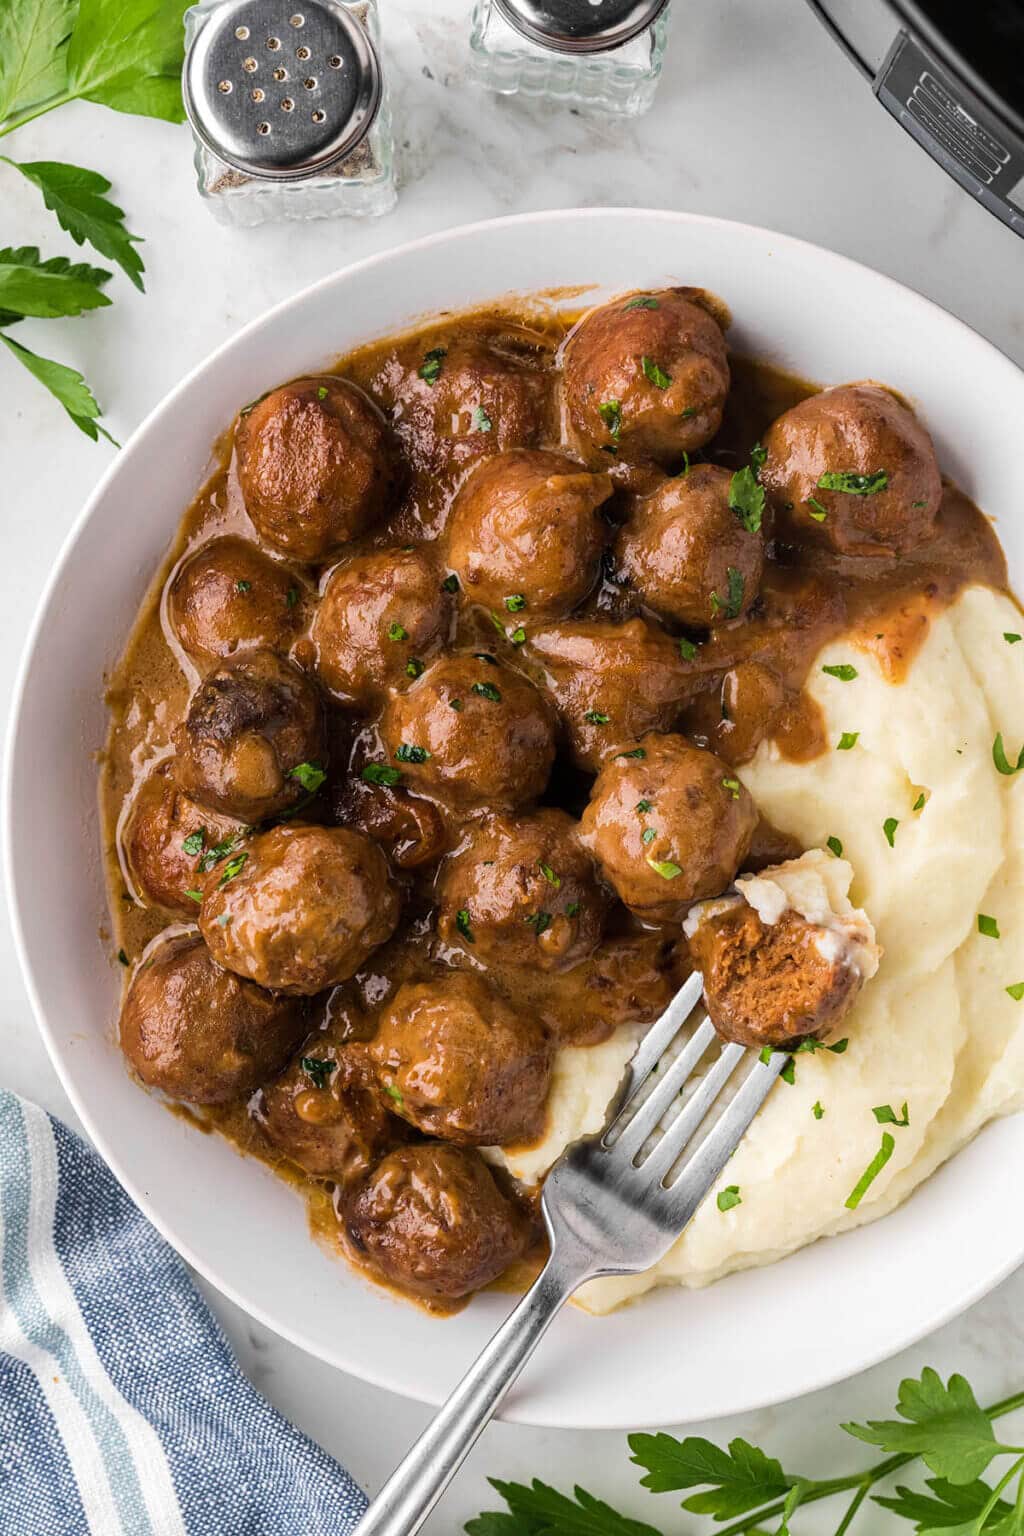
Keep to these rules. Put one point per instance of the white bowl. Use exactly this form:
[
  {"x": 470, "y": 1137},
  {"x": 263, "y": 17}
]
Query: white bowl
[{"x": 758, "y": 1337}]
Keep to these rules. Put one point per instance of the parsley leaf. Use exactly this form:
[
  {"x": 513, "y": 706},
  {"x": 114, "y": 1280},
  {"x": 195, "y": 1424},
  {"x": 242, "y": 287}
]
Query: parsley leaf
[
  {"x": 515, "y": 602},
  {"x": 539, "y": 1510},
  {"x": 687, "y": 649},
  {"x": 381, "y": 773},
  {"x": 128, "y": 56},
  {"x": 487, "y": 691},
  {"x": 746, "y": 499},
  {"x": 886, "y": 1115},
  {"x": 463, "y": 925},
  {"x": 847, "y": 740},
  {"x": 642, "y": 303},
  {"x": 48, "y": 290},
  {"x": 33, "y": 48},
  {"x": 664, "y": 867},
  {"x": 397, "y": 632},
  {"x": 835, "y": 847},
  {"x": 549, "y": 875},
  {"x": 610, "y": 412},
  {"x": 407, "y": 754},
  {"x": 1010, "y": 637},
  {"x": 844, "y": 672},
  {"x": 818, "y": 512},
  {"x": 309, "y": 775},
  {"x": 65, "y": 384},
  {"x": 319, "y": 1069},
  {"x": 233, "y": 868},
  {"x": 734, "y": 602},
  {"x": 1016, "y": 991},
  {"x": 1002, "y": 762},
  {"x": 539, "y": 921},
  {"x": 77, "y": 197},
  {"x": 430, "y": 368},
  {"x": 481, "y": 421},
  {"x": 871, "y": 1172},
  {"x": 852, "y": 484},
  {"x": 988, "y": 926},
  {"x": 655, "y": 375},
  {"x": 737, "y": 1479},
  {"x": 595, "y": 717},
  {"x": 951, "y": 1509},
  {"x": 450, "y": 583},
  {"x": 889, "y": 826},
  {"x": 729, "y": 1197},
  {"x": 195, "y": 843},
  {"x": 943, "y": 1424}
]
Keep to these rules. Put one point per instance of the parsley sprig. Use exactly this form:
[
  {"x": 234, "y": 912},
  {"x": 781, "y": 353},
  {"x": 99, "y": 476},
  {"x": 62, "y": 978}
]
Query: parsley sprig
[
  {"x": 124, "y": 54},
  {"x": 938, "y": 1423}
]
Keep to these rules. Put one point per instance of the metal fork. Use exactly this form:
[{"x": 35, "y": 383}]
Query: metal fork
[{"x": 610, "y": 1207}]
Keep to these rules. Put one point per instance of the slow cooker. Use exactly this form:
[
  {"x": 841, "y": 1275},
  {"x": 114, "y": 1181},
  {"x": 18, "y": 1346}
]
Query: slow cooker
[{"x": 952, "y": 74}]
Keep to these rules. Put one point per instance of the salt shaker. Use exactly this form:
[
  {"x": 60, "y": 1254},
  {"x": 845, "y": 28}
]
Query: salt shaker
[
  {"x": 288, "y": 108},
  {"x": 605, "y": 55}
]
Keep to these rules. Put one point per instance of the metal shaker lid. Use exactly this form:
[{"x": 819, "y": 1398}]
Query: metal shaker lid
[
  {"x": 281, "y": 88},
  {"x": 580, "y": 26}
]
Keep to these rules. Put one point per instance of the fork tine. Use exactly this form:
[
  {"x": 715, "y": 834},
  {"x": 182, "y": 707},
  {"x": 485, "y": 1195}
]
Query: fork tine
[
  {"x": 718, "y": 1146},
  {"x": 692, "y": 1114},
  {"x": 661, "y": 1034},
  {"x": 665, "y": 1091}
]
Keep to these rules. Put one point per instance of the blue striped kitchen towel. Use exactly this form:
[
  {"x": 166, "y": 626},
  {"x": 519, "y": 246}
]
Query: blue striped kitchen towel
[{"x": 122, "y": 1410}]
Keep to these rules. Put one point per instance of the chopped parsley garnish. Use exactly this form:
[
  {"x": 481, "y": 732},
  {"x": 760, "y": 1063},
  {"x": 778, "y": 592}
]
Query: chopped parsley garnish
[
  {"x": 843, "y": 671},
  {"x": 746, "y": 499},
  {"x": 657, "y": 376},
  {"x": 291, "y": 597},
  {"x": 852, "y": 484},
  {"x": 1016, "y": 991},
  {"x": 407, "y": 754},
  {"x": 686, "y": 466},
  {"x": 595, "y": 717},
  {"x": 988, "y": 926},
  {"x": 886, "y": 1115},
  {"x": 664, "y": 867},
  {"x": 818, "y": 512},
  {"x": 637, "y": 752},
  {"x": 871, "y": 1172},
  {"x": 430, "y": 368},
  {"x": 1002, "y": 762},
  {"x": 733, "y": 786},
  {"x": 196, "y": 896},
  {"x": 788, "y": 1073},
  {"x": 195, "y": 842},
  {"x": 462, "y": 924},
  {"x": 610, "y": 412},
  {"x": 517, "y": 636},
  {"x": 450, "y": 583},
  {"x": 649, "y": 835},
  {"x": 734, "y": 602},
  {"x": 243, "y": 586},
  {"x": 481, "y": 421},
  {"x": 455, "y": 704},
  {"x": 729, "y": 1197},
  {"x": 816, "y": 1110},
  {"x": 232, "y": 868},
  {"x": 540, "y": 922},
  {"x": 572, "y": 910},
  {"x": 321, "y": 393},
  {"x": 641, "y": 303},
  {"x": 317, "y": 1068},
  {"x": 835, "y": 847},
  {"x": 758, "y": 456},
  {"x": 847, "y": 740},
  {"x": 414, "y": 667},
  {"x": 687, "y": 649},
  {"x": 488, "y": 691},
  {"x": 123, "y": 957},
  {"x": 219, "y": 851},
  {"x": 889, "y": 826},
  {"x": 919, "y": 803},
  {"x": 394, "y": 1093},
  {"x": 691, "y": 410},
  {"x": 549, "y": 875},
  {"x": 515, "y": 603},
  {"x": 309, "y": 775},
  {"x": 642, "y": 807},
  {"x": 811, "y": 1047},
  {"x": 397, "y": 632},
  {"x": 1010, "y": 637},
  {"x": 381, "y": 773},
  {"x": 765, "y": 1055},
  {"x": 496, "y": 621}
]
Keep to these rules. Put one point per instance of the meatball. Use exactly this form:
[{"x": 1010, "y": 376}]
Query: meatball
[
  {"x": 473, "y": 732},
  {"x": 431, "y": 1220},
  {"x": 410, "y": 829},
  {"x": 851, "y": 468},
  {"x": 379, "y": 615},
  {"x": 463, "y": 1065},
  {"x": 168, "y": 840},
  {"x": 229, "y": 597},
  {"x": 454, "y": 405},
  {"x": 740, "y": 713},
  {"x": 198, "y": 1033},
  {"x": 522, "y": 890},
  {"x": 611, "y": 682},
  {"x": 252, "y": 744},
  {"x": 315, "y": 466},
  {"x": 668, "y": 824},
  {"x": 688, "y": 554},
  {"x": 300, "y": 909},
  {"x": 646, "y": 378},
  {"x": 525, "y": 534},
  {"x": 325, "y": 1113}
]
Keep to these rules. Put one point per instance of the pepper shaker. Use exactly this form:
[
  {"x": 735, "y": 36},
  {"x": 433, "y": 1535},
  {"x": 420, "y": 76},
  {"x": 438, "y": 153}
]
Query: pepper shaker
[
  {"x": 605, "y": 55},
  {"x": 288, "y": 108}
]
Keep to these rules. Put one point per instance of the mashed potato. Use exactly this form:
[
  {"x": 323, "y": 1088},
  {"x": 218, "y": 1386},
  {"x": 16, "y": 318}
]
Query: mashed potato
[{"x": 936, "y": 1027}]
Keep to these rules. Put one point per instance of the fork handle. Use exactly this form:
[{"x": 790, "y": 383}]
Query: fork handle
[{"x": 415, "y": 1486}]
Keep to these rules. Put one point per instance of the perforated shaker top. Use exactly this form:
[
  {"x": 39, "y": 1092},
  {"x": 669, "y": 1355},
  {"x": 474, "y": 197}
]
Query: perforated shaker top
[
  {"x": 281, "y": 88},
  {"x": 580, "y": 26}
]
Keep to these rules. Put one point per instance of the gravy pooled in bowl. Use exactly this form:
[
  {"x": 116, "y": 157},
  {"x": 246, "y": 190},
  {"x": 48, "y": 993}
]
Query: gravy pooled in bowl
[{"x": 481, "y": 661}]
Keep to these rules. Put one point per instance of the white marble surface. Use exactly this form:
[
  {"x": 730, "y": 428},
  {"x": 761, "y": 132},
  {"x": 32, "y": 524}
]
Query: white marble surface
[{"x": 759, "y": 119}]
